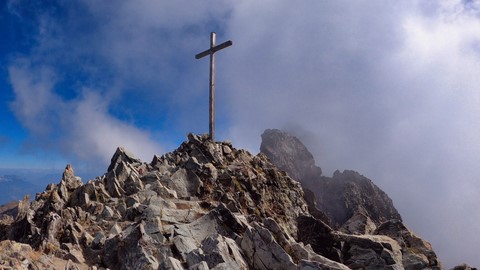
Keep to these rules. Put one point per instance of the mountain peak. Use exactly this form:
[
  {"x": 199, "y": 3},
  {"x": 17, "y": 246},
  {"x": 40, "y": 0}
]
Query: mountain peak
[
  {"x": 351, "y": 203},
  {"x": 288, "y": 153},
  {"x": 205, "y": 205}
]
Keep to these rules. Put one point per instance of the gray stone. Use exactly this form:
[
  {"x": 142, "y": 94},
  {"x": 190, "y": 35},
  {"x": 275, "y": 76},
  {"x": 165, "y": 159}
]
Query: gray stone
[
  {"x": 121, "y": 155},
  {"x": 184, "y": 245},
  {"x": 311, "y": 260},
  {"x": 192, "y": 164},
  {"x": 150, "y": 177},
  {"x": 73, "y": 253},
  {"x": 115, "y": 230},
  {"x": 71, "y": 266},
  {"x": 371, "y": 252},
  {"x": 263, "y": 252},
  {"x": 226, "y": 150},
  {"x": 359, "y": 223},
  {"x": 463, "y": 267},
  {"x": 218, "y": 252},
  {"x": 133, "y": 184},
  {"x": 107, "y": 212},
  {"x": 195, "y": 139},
  {"x": 136, "y": 251},
  {"x": 199, "y": 266},
  {"x": 178, "y": 182},
  {"x": 98, "y": 240},
  {"x": 53, "y": 227},
  {"x": 70, "y": 181},
  {"x": 184, "y": 183},
  {"x": 212, "y": 171},
  {"x": 412, "y": 261},
  {"x": 113, "y": 186},
  {"x": 413, "y": 247},
  {"x": 314, "y": 265},
  {"x": 163, "y": 191},
  {"x": 172, "y": 264}
]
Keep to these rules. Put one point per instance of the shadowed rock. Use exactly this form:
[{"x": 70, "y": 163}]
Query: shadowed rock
[{"x": 339, "y": 197}]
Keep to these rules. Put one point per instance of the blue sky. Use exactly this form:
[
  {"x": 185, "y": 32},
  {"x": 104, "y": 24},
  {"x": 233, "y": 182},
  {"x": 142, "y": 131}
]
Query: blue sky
[{"x": 387, "y": 88}]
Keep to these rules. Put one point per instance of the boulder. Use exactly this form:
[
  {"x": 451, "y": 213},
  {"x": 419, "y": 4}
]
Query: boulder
[
  {"x": 263, "y": 252},
  {"x": 416, "y": 251}
]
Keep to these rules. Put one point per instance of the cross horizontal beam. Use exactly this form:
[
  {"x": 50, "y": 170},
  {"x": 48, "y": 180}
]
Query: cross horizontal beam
[{"x": 214, "y": 49}]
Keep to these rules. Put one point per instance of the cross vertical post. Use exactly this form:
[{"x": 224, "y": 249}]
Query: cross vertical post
[
  {"x": 211, "y": 115},
  {"x": 211, "y": 52}
]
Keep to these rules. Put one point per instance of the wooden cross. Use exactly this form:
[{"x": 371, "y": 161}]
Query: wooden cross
[{"x": 213, "y": 49}]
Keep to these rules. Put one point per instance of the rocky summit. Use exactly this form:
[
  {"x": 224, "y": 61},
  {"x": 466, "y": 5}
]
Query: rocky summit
[
  {"x": 205, "y": 205},
  {"x": 348, "y": 199}
]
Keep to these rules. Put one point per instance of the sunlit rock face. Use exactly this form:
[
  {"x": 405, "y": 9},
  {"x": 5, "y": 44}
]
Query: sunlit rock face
[{"x": 205, "y": 205}]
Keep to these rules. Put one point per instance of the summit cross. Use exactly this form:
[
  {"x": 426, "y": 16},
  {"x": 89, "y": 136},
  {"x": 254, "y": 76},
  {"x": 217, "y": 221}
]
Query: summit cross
[{"x": 213, "y": 49}]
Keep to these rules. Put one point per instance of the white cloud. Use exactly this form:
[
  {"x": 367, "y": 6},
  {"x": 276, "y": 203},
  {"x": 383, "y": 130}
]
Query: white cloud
[
  {"x": 33, "y": 96},
  {"x": 93, "y": 132},
  {"x": 81, "y": 128}
]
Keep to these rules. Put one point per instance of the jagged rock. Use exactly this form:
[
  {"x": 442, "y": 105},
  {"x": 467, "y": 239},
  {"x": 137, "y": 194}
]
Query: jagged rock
[
  {"x": 463, "y": 267},
  {"x": 184, "y": 183},
  {"x": 205, "y": 205},
  {"x": 339, "y": 197},
  {"x": 133, "y": 250},
  {"x": 263, "y": 252},
  {"x": 121, "y": 155},
  {"x": 9, "y": 210},
  {"x": 349, "y": 193},
  {"x": 172, "y": 264},
  {"x": 184, "y": 245},
  {"x": 351, "y": 201},
  {"x": 289, "y": 154},
  {"x": 311, "y": 200},
  {"x": 311, "y": 265},
  {"x": 319, "y": 236},
  {"x": 370, "y": 252},
  {"x": 199, "y": 266},
  {"x": 218, "y": 252},
  {"x": 18, "y": 256},
  {"x": 418, "y": 253},
  {"x": 70, "y": 181},
  {"x": 113, "y": 186},
  {"x": 359, "y": 224},
  {"x": 73, "y": 254}
]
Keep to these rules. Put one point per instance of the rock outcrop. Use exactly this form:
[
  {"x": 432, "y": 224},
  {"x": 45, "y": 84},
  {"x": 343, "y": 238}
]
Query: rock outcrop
[
  {"x": 348, "y": 201},
  {"x": 205, "y": 205},
  {"x": 349, "y": 195},
  {"x": 463, "y": 267}
]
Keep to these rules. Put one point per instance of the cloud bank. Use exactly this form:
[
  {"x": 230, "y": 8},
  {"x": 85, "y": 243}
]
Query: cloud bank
[{"x": 81, "y": 128}]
